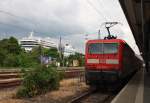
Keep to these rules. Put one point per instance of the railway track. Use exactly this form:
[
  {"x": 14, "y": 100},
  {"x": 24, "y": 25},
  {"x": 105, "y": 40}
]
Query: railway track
[
  {"x": 10, "y": 82},
  {"x": 13, "y": 77},
  {"x": 103, "y": 94},
  {"x": 93, "y": 96},
  {"x": 9, "y": 78}
]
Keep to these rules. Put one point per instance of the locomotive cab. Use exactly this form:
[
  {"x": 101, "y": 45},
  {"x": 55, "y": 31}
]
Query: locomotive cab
[{"x": 103, "y": 60}]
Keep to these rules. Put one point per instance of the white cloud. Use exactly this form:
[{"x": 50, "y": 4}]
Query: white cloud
[{"x": 68, "y": 18}]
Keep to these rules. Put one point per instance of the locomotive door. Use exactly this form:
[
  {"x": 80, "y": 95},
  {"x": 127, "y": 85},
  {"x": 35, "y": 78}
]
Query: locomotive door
[
  {"x": 101, "y": 56},
  {"x": 103, "y": 61}
]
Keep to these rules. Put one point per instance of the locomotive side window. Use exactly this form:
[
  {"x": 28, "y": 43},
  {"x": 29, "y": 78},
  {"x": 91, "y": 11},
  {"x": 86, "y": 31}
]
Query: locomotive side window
[{"x": 103, "y": 48}]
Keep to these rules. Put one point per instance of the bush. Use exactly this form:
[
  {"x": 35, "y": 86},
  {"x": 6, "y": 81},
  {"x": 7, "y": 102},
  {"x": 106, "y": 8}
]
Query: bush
[
  {"x": 22, "y": 92},
  {"x": 61, "y": 75},
  {"x": 10, "y": 61},
  {"x": 39, "y": 81},
  {"x": 25, "y": 60}
]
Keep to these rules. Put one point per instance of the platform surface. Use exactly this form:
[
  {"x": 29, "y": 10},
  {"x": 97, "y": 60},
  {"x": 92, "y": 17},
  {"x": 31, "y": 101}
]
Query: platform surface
[
  {"x": 146, "y": 87},
  {"x": 137, "y": 90}
]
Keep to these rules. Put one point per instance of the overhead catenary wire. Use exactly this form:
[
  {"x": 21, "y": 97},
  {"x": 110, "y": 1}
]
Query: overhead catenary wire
[
  {"x": 19, "y": 18},
  {"x": 7, "y": 13},
  {"x": 97, "y": 10},
  {"x": 101, "y": 14},
  {"x": 101, "y": 3},
  {"x": 108, "y": 13},
  {"x": 13, "y": 25},
  {"x": 15, "y": 16}
]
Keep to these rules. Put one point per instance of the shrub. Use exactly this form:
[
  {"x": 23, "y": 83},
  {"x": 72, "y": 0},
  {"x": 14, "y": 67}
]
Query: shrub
[
  {"x": 26, "y": 60},
  {"x": 61, "y": 75},
  {"x": 38, "y": 81},
  {"x": 22, "y": 92},
  {"x": 10, "y": 61}
]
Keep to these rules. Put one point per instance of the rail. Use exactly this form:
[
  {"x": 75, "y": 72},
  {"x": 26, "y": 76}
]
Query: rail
[
  {"x": 13, "y": 77},
  {"x": 93, "y": 96}
]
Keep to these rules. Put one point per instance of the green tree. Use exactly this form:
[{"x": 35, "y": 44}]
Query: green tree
[
  {"x": 9, "y": 48},
  {"x": 11, "y": 60},
  {"x": 26, "y": 60},
  {"x": 36, "y": 53},
  {"x": 13, "y": 46},
  {"x": 52, "y": 52},
  {"x": 76, "y": 56},
  {"x": 11, "y": 54},
  {"x": 10, "y": 45}
]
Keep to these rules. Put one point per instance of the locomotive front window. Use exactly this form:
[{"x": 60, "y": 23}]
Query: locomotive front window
[
  {"x": 95, "y": 48},
  {"x": 103, "y": 48}
]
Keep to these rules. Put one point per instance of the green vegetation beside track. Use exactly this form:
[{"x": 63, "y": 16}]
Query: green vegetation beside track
[
  {"x": 13, "y": 56},
  {"x": 37, "y": 77},
  {"x": 38, "y": 81}
]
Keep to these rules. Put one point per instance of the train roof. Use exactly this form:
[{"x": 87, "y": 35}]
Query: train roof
[{"x": 106, "y": 41}]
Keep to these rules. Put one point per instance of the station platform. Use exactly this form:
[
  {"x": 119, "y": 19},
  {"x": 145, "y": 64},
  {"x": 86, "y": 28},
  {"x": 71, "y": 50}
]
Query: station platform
[{"x": 136, "y": 91}]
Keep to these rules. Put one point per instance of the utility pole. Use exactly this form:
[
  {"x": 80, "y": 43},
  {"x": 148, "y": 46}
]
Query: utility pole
[
  {"x": 41, "y": 56},
  {"x": 86, "y": 37},
  {"x": 99, "y": 34},
  {"x": 61, "y": 49}
]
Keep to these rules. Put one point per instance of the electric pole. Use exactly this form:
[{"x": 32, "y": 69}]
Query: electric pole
[
  {"x": 99, "y": 34},
  {"x": 61, "y": 51}
]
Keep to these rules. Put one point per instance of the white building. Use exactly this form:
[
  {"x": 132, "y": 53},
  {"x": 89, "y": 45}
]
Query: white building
[
  {"x": 28, "y": 43},
  {"x": 68, "y": 50}
]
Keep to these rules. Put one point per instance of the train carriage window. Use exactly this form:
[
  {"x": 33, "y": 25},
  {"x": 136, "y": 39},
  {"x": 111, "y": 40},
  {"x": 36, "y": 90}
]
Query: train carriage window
[{"x": 103, "y": 48}]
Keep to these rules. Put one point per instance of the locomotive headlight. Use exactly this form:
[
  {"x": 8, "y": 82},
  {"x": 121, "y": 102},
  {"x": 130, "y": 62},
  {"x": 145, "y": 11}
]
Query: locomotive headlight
[
  {"x": 93, "y": 61},
  {"x": 112, "y": 61}
]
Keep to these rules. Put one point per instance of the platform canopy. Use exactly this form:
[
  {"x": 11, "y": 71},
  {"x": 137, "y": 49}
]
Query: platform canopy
[{"x": 137, "y": 13}]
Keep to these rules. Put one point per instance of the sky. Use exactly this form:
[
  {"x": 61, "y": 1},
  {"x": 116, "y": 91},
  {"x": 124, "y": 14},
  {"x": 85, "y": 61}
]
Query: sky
[{"x": 73, "y": 20}]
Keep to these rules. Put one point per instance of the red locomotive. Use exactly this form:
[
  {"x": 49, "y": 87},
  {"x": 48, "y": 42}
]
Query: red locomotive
[{"x": 109, "y": 60}]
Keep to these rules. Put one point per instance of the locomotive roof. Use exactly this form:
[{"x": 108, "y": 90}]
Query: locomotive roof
[{"x": 106, "y": 41}]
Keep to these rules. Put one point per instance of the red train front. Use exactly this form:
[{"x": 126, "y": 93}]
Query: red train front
[{"x": 108, "y": 60}]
